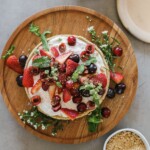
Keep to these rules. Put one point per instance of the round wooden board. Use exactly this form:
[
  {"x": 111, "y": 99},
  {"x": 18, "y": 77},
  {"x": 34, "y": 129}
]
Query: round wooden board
[{"x": 69, "y": 20}]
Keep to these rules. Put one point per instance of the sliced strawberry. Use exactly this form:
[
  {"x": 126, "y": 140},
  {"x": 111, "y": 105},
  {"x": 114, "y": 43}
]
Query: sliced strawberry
[
  {"x": 70, "y": 66},
  {"x": 72, "y": 114},
  {"x": 13, "y": 63},
  {"x": 36, "y": 87},
  {"x": 35, "y": 57},
  {"x": 54, "y": 51},
  {"x": 90, "y": 48},
  {"x": 100, "y": 78},
  {"x": 84, "y": 56},
  {"x": 62, "y": 58},
  {"x": 116, "y": 77},
  {"x": 62, "y": 47},
  {"x": 66, "y": 95},
  {"x": 28, "y": 77},
  {"x": 52, "y": 90},
  {"x": 45, "y": 53}
]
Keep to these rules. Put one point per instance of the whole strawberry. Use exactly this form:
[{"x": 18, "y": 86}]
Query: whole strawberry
[{"x": 13, "y": 63}]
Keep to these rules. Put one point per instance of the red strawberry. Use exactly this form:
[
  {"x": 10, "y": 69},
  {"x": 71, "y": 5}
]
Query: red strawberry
[
  {"x": 100, "y": 78},
  {"x": 90, "y": 48},
  {"x": 62, "y": 58},
  {"x": 84, "y": 55},
  {"x": 35, "y": 57},
  {"x": 13, "y": 63},
  {"x": 28, "y": 77},
  {"x": 54, "y": 51},
  {"x": 66, "y": 95},
  {"x": 36, "y": 87},
  {"x": 70, "y": 66},
  {"x": 62, "y": 47},
  {"x": 116, "y": 77},
  {"x": 72, "y": 114},
  {"x": 45, "y": 53}
]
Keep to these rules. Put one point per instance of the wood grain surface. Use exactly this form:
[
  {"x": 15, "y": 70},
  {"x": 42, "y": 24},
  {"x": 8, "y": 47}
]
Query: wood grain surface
[{"x": 69, "y": 20}]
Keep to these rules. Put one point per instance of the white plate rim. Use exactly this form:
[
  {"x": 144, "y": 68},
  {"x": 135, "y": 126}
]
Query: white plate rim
[{"x": 129, "y": 23}]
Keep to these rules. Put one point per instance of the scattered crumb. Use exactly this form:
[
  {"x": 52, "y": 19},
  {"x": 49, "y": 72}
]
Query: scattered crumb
[
  {"x": 123, "y": 96},
  {"x": 125, "y": 140},
  {"x": 88, "y": 18}
]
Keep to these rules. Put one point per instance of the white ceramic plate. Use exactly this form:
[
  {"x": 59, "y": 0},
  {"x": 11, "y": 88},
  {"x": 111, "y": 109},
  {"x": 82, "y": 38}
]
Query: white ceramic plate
[
  {"x": 134, "y": 15},
  {"x": 131, "y": 130}
]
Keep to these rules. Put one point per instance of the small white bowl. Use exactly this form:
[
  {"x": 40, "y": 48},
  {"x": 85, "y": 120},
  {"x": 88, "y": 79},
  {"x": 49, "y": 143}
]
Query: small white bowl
[{"x": 131, "y": 130}]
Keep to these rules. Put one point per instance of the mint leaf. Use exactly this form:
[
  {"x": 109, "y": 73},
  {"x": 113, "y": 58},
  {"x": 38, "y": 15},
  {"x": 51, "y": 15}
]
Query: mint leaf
[
  {"x": 34, "y": 29},
  {"x": 91, "y": 60},
  {"x": 77, "y": 72},
  {"x": 59, "y": 84},
  {"x": 87, "y": 86},
  {"x": 94, "y": 119},
  {"x": 42, "y": 62},
  {"x": 9, "y": 52},
  {"x": 44, "y": 40},
  {"x": 96, "y": 98}
]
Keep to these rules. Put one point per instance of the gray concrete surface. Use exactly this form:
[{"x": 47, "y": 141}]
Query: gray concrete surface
[{"x": 14, "y": 137}]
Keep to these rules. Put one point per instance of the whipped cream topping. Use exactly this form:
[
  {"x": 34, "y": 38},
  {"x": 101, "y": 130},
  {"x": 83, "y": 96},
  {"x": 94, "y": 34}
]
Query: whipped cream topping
[{"x": 45, "y": 105}]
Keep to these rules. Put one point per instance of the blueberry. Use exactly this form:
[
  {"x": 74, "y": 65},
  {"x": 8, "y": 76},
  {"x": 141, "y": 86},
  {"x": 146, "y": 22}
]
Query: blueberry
[
  {"x": 119, "y": 88},
  {"x": 92, "y": 68},
  {"x": 75, "y": 57},
  {"x": 85, "y": 93},
  {"x": 22, "y": 60},
  {"x": 111, "y": 93},
  {"x": 19, "y": 80}
]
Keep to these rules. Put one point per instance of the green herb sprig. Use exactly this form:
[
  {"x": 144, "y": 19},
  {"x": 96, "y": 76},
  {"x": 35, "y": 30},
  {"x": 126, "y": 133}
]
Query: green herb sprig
[
  {"x": 94, "y": 119},
  {"x": 77, "y": 72},
  {"x": 37, "y": 120},
  {"x": 42, "y": 62},
  {"x": 103, "y": 41},
  {"x": 90, "y": 60},
  {"x": 9, "y": 52},
  {"x": 93, "y": 91},
  {"x": 36, "y": 30}
]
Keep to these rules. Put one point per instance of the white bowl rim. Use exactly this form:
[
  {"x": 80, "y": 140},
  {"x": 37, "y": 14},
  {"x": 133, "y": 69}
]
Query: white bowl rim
[{"x": 131, "y": 130}]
